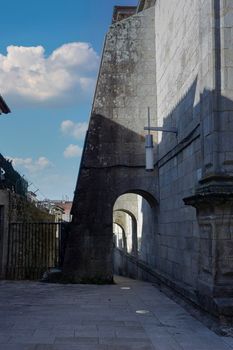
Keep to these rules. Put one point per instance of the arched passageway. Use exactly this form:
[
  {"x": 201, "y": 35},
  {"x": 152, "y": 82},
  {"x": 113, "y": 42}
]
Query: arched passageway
[
  {"x": 138, "y": 220},
  {"x": 129, "y": 224},
  {"x": 119, "y": 238}
]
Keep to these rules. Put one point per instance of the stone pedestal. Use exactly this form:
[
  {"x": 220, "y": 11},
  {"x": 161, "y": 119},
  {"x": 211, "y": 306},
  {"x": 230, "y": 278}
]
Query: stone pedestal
[{"x": 214, "y": 204}]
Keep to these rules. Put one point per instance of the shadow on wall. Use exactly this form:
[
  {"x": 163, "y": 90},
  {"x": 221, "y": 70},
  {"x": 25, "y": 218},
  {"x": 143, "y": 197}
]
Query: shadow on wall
[
  {"x": 202, "y": 148},
  {"x": 216, "y": 111},
  {"x": 126, "y": 219},
  {"x": 181, "y": 117},
  {"x": 113, "y": 163},
  {"x": 118, "y": 152},
  {"x": 170, "y": 236}
]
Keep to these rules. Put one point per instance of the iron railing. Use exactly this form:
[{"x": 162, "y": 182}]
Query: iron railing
[{"x": 33, "y": 248}]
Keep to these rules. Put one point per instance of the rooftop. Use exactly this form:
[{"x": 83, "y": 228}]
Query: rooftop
[{"x": 122, "y": 12}]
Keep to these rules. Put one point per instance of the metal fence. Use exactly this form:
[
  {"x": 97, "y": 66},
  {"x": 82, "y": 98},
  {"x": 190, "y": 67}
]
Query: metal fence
[{"x": 33, "y": 248}]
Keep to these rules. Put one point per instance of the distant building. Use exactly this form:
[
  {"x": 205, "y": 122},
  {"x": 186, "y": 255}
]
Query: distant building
[
  {"x": 57, "y": 211},
  {"x": 32, "y": 197},
  {"x": 66, "y": 206},
  {"x": 61, "y": 209},
  {"x": 123, "y": 12}
]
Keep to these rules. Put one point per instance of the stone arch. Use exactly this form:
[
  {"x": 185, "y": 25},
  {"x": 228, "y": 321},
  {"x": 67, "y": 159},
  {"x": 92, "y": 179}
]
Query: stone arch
[
  {"x": 134, "y": 229},
  {"x": 123, "y": 235},
  {"x": 147, "y": 229},
  {"x": 144, "y": 192},
  {"x": 106, "y": 172},
  {"x": 89, "y": 251}
]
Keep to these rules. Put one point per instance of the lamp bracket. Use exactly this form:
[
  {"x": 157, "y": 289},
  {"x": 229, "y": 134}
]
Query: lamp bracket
[{"x": 159, "y": 128}]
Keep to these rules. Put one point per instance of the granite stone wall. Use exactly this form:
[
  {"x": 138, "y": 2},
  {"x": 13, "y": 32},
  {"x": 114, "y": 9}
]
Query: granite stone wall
[
  {"x": 177, "y": 27},
  {"x": 113, "y": 158}
]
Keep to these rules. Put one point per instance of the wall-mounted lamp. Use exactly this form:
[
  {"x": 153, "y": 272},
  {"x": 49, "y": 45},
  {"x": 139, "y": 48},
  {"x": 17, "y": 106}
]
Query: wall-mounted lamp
[
  {"x": 150, "y": 144},
  {"x": 149, "y": 147}
]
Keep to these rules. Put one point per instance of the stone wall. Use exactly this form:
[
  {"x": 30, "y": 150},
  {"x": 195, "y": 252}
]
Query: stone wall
[
  {"x": 177, "y": 26},
  {"x": 113, "y": 158},
  {"x": 225, "y": 107},
  {"x": 172, "y": 247}
]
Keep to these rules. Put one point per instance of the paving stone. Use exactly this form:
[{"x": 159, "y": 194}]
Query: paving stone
[
  {"x": 69, "y": 347},
  {"x": 129, "y": 332},
  {"x": 41, "y": 347},
  {"x": 15, "y": 346},
  {"x": 57, "y": 332},
  {"x": 31, "y": 339},
  {"x": 16, "y": 332},
  {"x": 168, "y": 327},
  {"x": 166, "y": 343},
  {"x": 86, "y": 333},
  {"x": 77, "y": 340},
  {"x": 228, "y": 341},
  {"x": 4, "y": 338},
  {"x": 125, "y": 341}
]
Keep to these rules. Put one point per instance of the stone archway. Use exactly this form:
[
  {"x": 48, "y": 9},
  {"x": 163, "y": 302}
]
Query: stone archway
[
  {"x": 123, "y": 245},
  {"x": 90, "y": 246},
  {"x": 133, "y": 230},
  {"x": 105, "y": 174},
  {"x": 143, "y": 213}
]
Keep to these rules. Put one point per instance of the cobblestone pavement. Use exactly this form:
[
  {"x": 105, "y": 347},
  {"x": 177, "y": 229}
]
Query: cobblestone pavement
[{"x": 128, "y": 315}]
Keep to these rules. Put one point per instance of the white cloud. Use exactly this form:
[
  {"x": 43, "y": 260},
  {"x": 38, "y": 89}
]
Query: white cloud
[
  {"x": 68, "y": 73},
  {"x": 72, "y": 151},
  {"x": 32, "y": 166},
  {"x": 77, "y": 130}
]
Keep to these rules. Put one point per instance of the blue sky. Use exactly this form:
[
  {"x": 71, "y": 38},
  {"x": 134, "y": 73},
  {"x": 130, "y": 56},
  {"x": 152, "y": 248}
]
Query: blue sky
[{"x": 49, "y": 59}]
